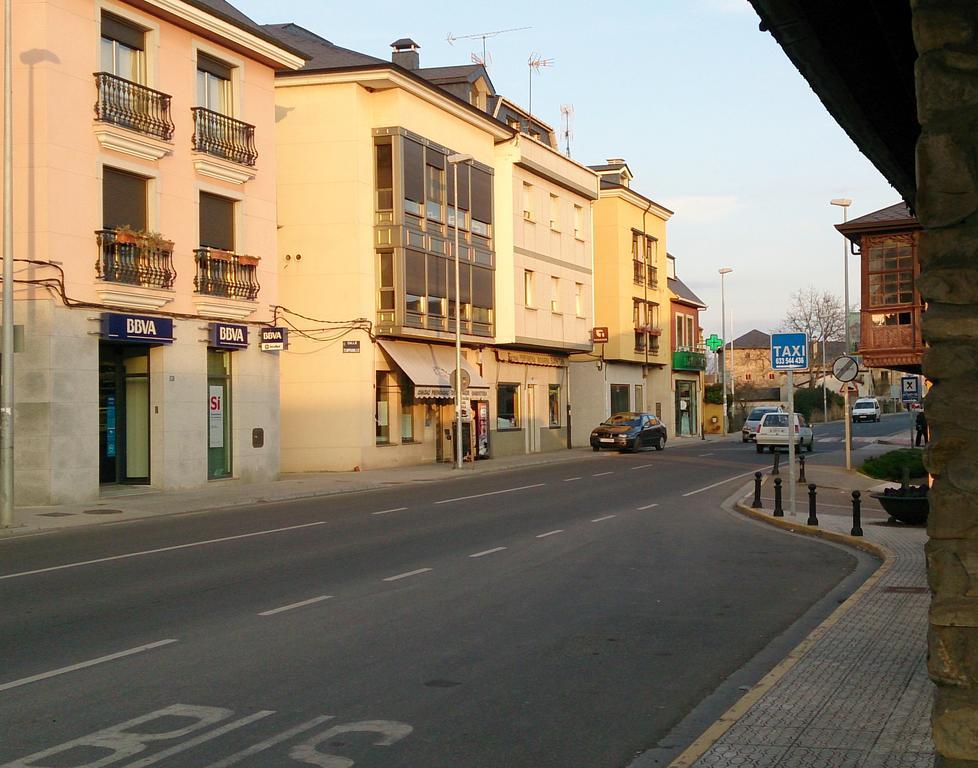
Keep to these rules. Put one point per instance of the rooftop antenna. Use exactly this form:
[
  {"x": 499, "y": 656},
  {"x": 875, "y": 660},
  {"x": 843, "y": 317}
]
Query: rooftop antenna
[
  {"x": 535, "y": 62},
  {"x": 567, "y": 110},
  {"x": 484, "y": 61}
]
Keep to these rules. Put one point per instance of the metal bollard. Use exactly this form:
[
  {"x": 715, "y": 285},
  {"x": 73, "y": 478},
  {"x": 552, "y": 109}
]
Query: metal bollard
[
  {"x": 801, "y": 469},
  {"x": 778, "y": 509},
  {"x": 812, "y": 519},
  {"x": 756, "y": 504},
  {"x": 777, "y": 462},
  {"x": 857, "y": 529}
]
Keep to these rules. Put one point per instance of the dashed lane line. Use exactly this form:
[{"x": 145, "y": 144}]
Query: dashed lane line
[
  {"x": 549, "y": 533},
  {"x": 491, "y": 493},
  {"x": 291, "y": 606},
  {"x": 388, "y": 511},
  {"x": 602, "y": 474},
  {"x": 601, "y": 519},
  {"x": 488, "y": 552},
  {"x": 647, "y": 506},
  {"x": 643, "y": 466},
  {"x": 407, "y": 575},
  {"x": 84, "y": 664},
  {"x": 571, "y": 479}
]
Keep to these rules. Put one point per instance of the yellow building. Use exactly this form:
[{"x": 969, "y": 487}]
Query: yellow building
[
  {"x": 631, "y": 370},
  {"x": 145, "y": 234}
]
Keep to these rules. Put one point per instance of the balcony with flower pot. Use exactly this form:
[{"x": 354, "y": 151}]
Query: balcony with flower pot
[
  {"x": 135, "y": 268},
  {"x": 226, "y": 283}
]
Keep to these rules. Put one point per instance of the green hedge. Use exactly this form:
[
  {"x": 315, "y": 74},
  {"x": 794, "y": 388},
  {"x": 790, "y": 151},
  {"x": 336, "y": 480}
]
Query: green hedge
[
  {"x": 890, "y": 465},
  {"x": 713, "y": 393},
  {"x": 808, "y": 400}
]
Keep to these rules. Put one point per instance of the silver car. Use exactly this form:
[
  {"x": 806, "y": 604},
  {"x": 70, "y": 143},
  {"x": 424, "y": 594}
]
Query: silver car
[{"x": 749, "y": 431}]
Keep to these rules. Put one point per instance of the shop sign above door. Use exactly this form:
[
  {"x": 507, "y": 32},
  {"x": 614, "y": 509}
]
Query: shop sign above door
[
  {"x": 229, "y": 336},
  {"x": 139, "y": 329}
]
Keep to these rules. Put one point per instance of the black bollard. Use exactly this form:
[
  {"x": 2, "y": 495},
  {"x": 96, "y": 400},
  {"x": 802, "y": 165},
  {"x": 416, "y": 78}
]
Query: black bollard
[
  {"x": 756, "y": 504},
  {"x": 857, "y": 529},
  {"x": 778, "y": 509},
  {"x": 812, "y": 519},
  {"x": 801, "y": 469},
  {"x": 777, "y": 462}
]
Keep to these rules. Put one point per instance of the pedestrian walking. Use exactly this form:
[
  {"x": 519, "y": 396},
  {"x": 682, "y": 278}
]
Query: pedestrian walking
[{"x": 921, "y": 428}]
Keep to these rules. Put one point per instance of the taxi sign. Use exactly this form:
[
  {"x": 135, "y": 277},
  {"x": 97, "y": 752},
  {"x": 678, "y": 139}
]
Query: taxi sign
[{"x": 789, "y": 351}]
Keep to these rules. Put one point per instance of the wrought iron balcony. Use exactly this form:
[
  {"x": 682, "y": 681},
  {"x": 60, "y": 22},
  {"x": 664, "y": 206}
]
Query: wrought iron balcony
[
  {"x": 226, "y": 274},
  {"x": 688, "y": 360},
  {"x": 224, "y": 137},
  {"x": 133, "y": 106},
  {"x": 135, "y": 259}
]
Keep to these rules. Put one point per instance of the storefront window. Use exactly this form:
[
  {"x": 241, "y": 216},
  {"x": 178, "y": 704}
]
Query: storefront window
[
  {"x": 382, "y": 415},
  {"x": 619, "y": 398},
  {"x": 218, "y": 413},
  {"x": 407, "y": 408},
  {"x": 507, "y": 406},
  {"x": 554, "y": 404}
]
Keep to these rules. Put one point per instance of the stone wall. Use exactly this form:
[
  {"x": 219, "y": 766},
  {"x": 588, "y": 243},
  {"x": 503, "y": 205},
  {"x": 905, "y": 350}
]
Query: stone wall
[{"x": 946, "y": 35}]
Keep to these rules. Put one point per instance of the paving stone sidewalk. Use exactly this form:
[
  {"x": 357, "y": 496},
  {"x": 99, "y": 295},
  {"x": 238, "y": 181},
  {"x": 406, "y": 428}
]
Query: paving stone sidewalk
[{"x": 855, "y": 694}]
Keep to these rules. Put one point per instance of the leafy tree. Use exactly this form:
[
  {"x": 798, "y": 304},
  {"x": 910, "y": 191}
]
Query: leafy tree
[
  {"x": 809, "y": 401},
  {"x": 713, "y": 393}
]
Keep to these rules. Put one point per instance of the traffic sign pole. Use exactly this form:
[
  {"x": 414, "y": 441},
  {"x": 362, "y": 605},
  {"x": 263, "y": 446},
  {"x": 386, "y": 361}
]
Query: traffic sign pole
[
  {"x": 791, "y": 441},
  {"x": 848, "y": 422}
]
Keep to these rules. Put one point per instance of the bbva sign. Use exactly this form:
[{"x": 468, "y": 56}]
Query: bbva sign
[
  {"x": 229, "y": 336},
  {"x": 137, "y": 328}
]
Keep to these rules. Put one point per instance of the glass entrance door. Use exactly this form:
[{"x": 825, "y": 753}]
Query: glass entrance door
[
  {"x": 123, "y": 395},
  {"x": 686, "y": 417},
  {"x": 218, "y": 413}
]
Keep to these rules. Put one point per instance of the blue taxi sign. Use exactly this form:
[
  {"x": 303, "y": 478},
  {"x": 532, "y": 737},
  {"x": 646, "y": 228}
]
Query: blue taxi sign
[{"x": 789, "y": 351}]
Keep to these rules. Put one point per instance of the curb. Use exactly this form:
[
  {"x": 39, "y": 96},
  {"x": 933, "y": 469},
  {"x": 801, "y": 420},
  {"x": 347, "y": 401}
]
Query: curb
[{"x": 729, "y": 718}]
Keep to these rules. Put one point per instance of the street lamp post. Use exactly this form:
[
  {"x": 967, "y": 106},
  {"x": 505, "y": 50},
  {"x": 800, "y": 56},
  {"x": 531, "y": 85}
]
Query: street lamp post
[
  {"x": 7, "y": 360},
  {"x": 723, "y": 334},
  {"x": 844, "y": 203},
  {"x": 455, "y": 159}
]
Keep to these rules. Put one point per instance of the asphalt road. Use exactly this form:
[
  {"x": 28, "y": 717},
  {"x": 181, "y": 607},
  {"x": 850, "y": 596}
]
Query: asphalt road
[{"x": 561, "y": 615}]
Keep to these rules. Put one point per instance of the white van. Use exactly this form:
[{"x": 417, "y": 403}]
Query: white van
[
  {"x": 773, "y": 433},
  {"x": 866, "y": 409}
]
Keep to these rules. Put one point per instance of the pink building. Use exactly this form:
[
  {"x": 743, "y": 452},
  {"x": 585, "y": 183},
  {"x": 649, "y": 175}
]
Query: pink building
[{"x": 144, "y": 235}]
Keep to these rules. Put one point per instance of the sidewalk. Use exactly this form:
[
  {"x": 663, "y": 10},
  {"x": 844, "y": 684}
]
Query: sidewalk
[
  {"x": 855, "y": 693},
  {"x": 133, "y": 502}
]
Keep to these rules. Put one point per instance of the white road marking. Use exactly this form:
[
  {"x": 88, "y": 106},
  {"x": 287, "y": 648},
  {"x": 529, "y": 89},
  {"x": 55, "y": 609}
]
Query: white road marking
[
  {"x": 161, "y": 549},
  {"x": 407, "y": 575},
  {"x": 201, "y": 739},
  {"x": 599, "y": 474},
  {"x": 261, "y": 746},
  {"x": 569, "y": 479},
  {"x": 643, "y": 466},
  {"x": 84, "y": 664},
  {"x": 600, "y": 519},
  {"x": 488, "y": 552},
  {"x": 550, "y": 533},
  {"x": 490, "y": 493},
  {"x": 705, "y": 454},
  {"x": 721, "y": 482},
  {"x": 647, "y": 506},
  {"x": 284, "y": 608},
  {"x": 388, "y": 511}
]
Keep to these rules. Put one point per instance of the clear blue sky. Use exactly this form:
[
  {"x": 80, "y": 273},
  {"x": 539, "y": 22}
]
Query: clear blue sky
[{"x": 712, "y": 118}]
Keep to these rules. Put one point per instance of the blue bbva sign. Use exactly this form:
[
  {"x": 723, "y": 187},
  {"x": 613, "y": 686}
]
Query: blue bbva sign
[
  {"x": 229, "y": 336},
  {"x": 137, "y": 328},
  {"x": 789, "y": 351}
]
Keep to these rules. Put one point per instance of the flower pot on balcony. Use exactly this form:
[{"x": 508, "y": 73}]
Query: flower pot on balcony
[
  {"x": 125, "y": 235},
  {"x": 249, "y": 261},
  {"x": 219, "y": 254}
]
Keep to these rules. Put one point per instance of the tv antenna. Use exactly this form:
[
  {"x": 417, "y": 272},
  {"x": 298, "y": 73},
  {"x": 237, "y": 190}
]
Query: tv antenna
[
  {"x": 484, "y": 61},
  {"x": 567, "y": 110},
  {"x": 535, "y": 63}
]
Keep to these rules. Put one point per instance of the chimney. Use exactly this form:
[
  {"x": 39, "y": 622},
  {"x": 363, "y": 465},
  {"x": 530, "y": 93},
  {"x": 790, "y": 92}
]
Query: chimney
[{"x": 406, "y": 53}]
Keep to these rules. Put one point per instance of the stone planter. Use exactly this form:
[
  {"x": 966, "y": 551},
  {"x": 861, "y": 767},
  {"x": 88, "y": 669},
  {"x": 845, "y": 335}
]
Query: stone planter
[{"x": 908, "y": 505}]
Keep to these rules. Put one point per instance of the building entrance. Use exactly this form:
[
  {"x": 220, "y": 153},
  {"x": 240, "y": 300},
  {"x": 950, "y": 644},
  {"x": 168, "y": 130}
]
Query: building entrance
[
  {"x": 123, "y": 401},
  {"x": 687, "y": 419}
]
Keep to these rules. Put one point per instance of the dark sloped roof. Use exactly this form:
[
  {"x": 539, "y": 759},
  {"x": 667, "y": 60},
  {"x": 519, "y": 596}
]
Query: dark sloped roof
[
  {"x": 461, "y": 74},
  {"x": 754, "y": 339},
  {"x": 896, "y": 212},
  {"x": 319, "y": 51},
  {"x": 682, "y": 291},
  {"x": 890, "y": 219},
  {"x": 227, "y": 12},
  {"x": 607, "y": 167}
]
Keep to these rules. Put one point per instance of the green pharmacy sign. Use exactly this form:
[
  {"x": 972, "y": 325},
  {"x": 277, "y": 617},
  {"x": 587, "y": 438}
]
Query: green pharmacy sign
[{"x": 714, "y": 342}]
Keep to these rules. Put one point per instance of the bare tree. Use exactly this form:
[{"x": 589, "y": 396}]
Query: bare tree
[{"x": 820, "y": 315}]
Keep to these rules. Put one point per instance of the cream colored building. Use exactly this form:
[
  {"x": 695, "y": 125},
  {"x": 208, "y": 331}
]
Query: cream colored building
[
  {"x": 631, "y": 370},
  {"x": 366, "y": 254},
  {"x": 544, "y": 289},
  {"x": 145, "y": 233}
]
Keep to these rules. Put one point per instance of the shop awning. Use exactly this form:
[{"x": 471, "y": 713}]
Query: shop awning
[{"x": 430, "y": 367}]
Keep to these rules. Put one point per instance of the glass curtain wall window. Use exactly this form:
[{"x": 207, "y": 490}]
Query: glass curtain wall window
[
  {"x": 435, "y": 186},
  {"x": 464, "y": 196},
  {"x": 122, "y": 49}
]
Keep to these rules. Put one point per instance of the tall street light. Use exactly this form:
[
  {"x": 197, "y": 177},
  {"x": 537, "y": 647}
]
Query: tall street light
[
  {"x": 844, "y": 203},
  {"x": 723, "y": 335},
  {"x": 7, "y": 357},
  {"x": 455, "y": 159}
]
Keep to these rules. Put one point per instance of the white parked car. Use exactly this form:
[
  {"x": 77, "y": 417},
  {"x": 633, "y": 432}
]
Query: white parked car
[
  {"x": 753, "y": 421},
  {"x": 773, "y": 433},
  {"x": 866, "y": 409}
]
